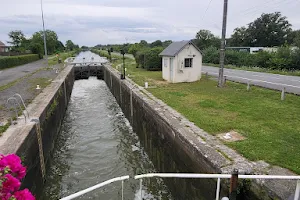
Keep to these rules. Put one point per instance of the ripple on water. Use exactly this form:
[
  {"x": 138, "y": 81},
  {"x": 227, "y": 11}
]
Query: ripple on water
[{"x": 97, "y": 143}]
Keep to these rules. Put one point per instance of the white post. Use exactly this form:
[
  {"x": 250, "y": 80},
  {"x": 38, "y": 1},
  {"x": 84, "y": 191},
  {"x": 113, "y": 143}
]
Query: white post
[
  {"x": 218, "y": 189},
  {"x": 122, "y": 189},
  {"x": 283, "y": 94},
  {"x": 141, "y": 188},
  {"x": 297, "y": 192},
  {"x": 248, "y": 86}
]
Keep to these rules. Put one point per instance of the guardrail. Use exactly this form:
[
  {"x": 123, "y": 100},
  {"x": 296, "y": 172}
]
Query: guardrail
[{"x": 233, "y": 182}]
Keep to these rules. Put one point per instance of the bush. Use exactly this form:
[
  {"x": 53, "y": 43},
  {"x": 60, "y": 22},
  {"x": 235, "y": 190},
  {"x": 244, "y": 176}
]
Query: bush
[
  {"x": 12, "y": 61},
  {"x": 149, "y": 58},
  {"x": 211, "y": 55},
  {"x": 283, "y": 59}
]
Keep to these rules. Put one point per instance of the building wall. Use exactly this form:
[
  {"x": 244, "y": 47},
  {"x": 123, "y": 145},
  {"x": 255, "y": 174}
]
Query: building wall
[
  {"x": 166, "y": 68},
  {"x": 181, "y": 73},
  {"x": 188, "y": 74}
]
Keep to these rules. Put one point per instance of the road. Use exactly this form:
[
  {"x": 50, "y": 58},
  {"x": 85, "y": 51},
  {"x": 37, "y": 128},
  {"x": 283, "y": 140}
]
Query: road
[
  {"x": 267, "y": 80},
  {"x": 11, "y": 74}
]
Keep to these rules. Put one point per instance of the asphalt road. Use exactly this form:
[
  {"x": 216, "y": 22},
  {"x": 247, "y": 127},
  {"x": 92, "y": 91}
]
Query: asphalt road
[
  {"x": 11, "y": 74},
  {"x": 267, "y": 80}
]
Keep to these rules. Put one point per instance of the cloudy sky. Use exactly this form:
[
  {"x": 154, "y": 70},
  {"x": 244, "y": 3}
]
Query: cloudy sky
[{"x": 91, "y": 22}]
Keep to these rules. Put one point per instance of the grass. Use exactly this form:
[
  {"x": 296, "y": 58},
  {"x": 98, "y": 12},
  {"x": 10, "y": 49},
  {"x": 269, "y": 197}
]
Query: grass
[
  {"x": 4, "y": 128},
  {"x": 43, "y": 82},
  {"x": 270, "y": 125},
  {"x": 63, "y": 57},
  {"x": 257, "y": 69}
]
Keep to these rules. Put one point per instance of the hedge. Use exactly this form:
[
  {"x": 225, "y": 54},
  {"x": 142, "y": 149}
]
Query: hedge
[
  {"x": 284, "y": 59},
  {"x": 12, "y": 61},
  {"x": 149, "y": 58}
]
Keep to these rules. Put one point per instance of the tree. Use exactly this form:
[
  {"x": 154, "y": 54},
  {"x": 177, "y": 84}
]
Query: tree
[
  {"x": 70, "y": 45},
  {"x": 204, "y": 39},
  {"x": 239, "y": 37},
  {"x": 296, "y": 39},
  {"x": 167, "y": 43},
  {"x": 37, "y": 48},
  {"x": 59, "y": 46},
  {"x": 156, "y": 43},
  {"x": 16, "y": 37},
  {"x": 51, "y": 40},
  {"x": 144, "y": 43},
  {"x": 269, "y": 30}
]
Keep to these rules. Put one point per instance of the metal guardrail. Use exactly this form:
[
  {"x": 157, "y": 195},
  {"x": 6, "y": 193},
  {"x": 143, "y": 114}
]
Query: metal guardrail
[{"x": 189, "y": 176}]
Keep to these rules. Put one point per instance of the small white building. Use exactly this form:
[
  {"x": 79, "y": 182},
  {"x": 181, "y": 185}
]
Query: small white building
[{"x": 181, "y": 62}]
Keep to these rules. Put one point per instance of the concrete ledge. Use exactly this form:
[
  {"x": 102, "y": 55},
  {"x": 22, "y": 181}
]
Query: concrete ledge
[
  {"x": 49, "y": 107},
  {"x": 206, "y": 153}
]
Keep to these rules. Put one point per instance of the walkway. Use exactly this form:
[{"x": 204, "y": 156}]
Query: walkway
[{"x": 11, "y": 74}]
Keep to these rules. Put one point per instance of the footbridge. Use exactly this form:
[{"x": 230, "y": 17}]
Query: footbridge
[{"x": 86, "y": 65}]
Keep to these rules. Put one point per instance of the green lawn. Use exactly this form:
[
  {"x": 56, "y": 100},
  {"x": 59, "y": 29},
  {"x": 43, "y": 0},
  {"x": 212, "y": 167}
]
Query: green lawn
[{"x": 271, "y": 126}]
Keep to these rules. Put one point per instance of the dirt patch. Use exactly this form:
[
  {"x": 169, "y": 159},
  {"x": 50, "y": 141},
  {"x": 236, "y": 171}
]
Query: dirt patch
[
  {"x": 26, "y": 88},
  {"x": 231, "y": 136}
]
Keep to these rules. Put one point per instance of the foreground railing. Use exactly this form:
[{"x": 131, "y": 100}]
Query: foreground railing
[{"x": 233, "y": 181}]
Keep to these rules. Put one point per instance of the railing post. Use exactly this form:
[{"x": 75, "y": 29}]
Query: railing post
[
  {"x": 206, "y": 75},
  {"x": 141, "y": 188},
  {"x": 248, "y": 86},
  {"x": 218, "y": 189},
  {"x": 283, "y": 94},
  {"x": 122, "y": 189},
  {"x": 233, "y": 184},
  {"x": 224, "y": 80},
  {"x": 297, "y": 192}
]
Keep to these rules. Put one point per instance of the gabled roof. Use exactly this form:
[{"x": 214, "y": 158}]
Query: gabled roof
[
  {"x": 2, "y": 44},
  {"x": 174, "y": 48}
]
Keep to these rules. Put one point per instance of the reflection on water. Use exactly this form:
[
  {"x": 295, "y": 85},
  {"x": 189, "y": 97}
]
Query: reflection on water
[{"x": 96, "y": 143}]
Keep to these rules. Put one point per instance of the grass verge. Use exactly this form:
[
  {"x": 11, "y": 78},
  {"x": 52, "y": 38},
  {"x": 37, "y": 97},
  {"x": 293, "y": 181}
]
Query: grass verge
[{"x": 271, "y": 126}]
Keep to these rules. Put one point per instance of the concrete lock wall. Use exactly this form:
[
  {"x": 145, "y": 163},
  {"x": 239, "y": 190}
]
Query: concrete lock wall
[
  {"x": 21, "y": 139},
  {"x": 176, "y": 145}
]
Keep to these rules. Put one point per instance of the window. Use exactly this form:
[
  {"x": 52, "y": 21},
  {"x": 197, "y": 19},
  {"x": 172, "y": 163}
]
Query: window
[{"x": 188, "y": 62}]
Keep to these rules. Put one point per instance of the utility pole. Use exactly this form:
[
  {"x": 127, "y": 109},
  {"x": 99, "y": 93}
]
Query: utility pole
[
  {"x": 222, "y": 49},
  {"x": 45, "y": 44}
]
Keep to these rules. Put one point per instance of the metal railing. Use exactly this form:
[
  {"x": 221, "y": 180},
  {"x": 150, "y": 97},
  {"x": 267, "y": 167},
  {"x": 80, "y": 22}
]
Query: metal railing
[{"x": 189, "y": 176}]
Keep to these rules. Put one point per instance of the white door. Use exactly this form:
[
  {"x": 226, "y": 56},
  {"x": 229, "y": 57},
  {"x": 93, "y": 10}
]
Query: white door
[{"x": 171, "y": 69}]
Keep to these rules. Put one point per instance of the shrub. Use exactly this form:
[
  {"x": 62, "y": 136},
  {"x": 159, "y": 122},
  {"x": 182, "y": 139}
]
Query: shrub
[
  {"x": 149, "y": 58},
  {"x": 12, "y": 61},
  {"x": 211, "y": 55}
]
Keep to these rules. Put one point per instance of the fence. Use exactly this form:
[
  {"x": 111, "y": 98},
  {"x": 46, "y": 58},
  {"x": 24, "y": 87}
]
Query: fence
[{"x": 233, "y": 182}]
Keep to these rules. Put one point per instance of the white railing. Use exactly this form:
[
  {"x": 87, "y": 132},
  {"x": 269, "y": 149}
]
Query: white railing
[
  {"x": 187, "y": 176},
  {"x": 82, "y": 192}
]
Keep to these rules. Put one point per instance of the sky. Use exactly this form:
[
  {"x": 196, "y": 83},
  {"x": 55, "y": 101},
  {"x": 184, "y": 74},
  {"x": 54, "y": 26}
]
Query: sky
[{"x": 92, "y": 22}]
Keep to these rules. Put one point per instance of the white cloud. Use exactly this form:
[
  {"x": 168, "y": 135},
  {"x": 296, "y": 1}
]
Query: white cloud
[{"x": 89, "y": 22}]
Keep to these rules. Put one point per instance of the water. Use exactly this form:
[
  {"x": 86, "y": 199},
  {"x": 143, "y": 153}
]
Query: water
[{"x": 97, "y": 143}]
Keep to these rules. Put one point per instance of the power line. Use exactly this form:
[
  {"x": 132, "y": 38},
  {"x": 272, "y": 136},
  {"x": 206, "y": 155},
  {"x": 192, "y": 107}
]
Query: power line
[{"x": 206, "y": 10}]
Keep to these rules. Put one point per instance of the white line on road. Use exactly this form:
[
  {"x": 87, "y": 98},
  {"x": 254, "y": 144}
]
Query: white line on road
[{"x": 256, "y": 80}]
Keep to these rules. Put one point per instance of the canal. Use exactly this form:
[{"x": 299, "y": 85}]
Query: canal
[{"x": 96, "y": 143}]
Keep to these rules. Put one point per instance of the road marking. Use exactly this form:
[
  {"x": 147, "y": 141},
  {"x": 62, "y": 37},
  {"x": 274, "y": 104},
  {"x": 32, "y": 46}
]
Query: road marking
[
  {"x": 256, "y": 80},
  {"x": 266, "y": 76}
]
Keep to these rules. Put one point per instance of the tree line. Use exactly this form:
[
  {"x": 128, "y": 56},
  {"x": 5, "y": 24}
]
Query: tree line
[
  {"x": 269, "y": 30},
  {"x": 35, "y": 43}
]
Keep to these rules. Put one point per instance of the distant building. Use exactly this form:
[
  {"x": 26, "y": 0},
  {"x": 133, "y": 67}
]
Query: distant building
[
  {"x": 3, "y": 47},
  {"x": 253, "y": 49},
  {"x": 181, "y": 62}
]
